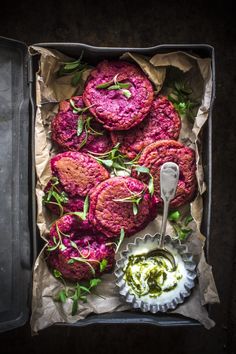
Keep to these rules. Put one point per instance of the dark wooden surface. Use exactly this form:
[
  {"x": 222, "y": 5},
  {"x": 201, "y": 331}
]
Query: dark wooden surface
[{"x": 147, "y": 23}]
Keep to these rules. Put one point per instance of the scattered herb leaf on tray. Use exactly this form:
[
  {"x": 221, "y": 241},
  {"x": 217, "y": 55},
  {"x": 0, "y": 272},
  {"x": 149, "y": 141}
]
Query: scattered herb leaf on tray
[
  {"x": 179, "y": 225},
  {"x": 76, "y": 293},
  {"x": 182, "y": 101},
  {"x": 77, "y": 67}
]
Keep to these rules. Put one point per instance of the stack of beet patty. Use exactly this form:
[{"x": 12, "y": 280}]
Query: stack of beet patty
[{"x": 97, "y": 205}]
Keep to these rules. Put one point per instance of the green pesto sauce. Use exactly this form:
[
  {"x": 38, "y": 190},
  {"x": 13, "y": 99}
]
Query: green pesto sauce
[{"x": 151, "y": 276}]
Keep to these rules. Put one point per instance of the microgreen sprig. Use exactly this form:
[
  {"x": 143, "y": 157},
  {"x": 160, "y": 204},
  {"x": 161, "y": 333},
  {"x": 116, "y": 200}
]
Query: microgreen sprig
[
  {"x": 57, "y": 242},
  {"x": 118, "y": 243},
  {"x": 82, "y": 214},
  {"x": 180, "y": 97},
  {"x": 54, "y": 194},
  {"x": 77, "y": 67},
  {"x": 134, "y": 198},
  {"x": 143, "y": 169},
  {"x": 179, "y": 225},
  {"x": 77, "y": 293},
  {"x": 114, "y": 84},
  {"x": 112, "y": 159},
  {"x": 79, "y": 109},
  {"x": 84, "y": 123}
]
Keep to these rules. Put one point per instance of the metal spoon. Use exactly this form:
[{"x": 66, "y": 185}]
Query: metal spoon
[{"x": 169, "y": 177}]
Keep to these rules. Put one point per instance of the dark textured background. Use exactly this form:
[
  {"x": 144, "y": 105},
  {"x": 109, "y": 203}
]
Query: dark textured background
[{"x": 142, "y": 24}]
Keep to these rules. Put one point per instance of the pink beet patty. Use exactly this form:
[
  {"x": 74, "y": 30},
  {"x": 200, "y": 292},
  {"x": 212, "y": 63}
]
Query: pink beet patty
[
  {"x": 79, "y": 253},
  {"x": 112, "y": 107},
  {"x": 162, "y": 122},
  {"x": 153, "y": 157},
  {"x": 65, "y": 129},
  {"x": 109, "y": 215},
  {"x": 77, "y": 172}
]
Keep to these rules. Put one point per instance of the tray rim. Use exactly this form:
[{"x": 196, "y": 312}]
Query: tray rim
[{"x": 119, "y": 317}]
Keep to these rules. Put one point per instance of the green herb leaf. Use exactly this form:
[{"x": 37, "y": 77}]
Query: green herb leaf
[
  {"x": 94, "y": 282},
  {"x": 84, "y": 289},
  {"x": 54, "y": 180},
  {"x": 119, "y": 86},
  {"x": 182, "y": 106},
  {"x": 75, "y": 306},
  {"x": 78, "y": 109},
  {"x": 112, "y": 159},
  {"x": 182, "y": 233},
  {"x": 83, "y": 298},
  {"x": 124, "y": 85},
  {"x": 174, "y": 216},
  {"x": 80, "y": 126},
  {"x": 62, "y": 247},
  {"x": 151, "y": 186},
  {"x": 104, "y": 85},
  {"x": 107, "y": 163},
  {"x": 135, "y": 209},
  {"x": 77, "y": 291},
  {"x": 127, "y": 93},
  {"x": 187, "y": 220},
  {"x": 70, "y": 261},
  {"x": 54, "y": 240},
  {"x": 72, "y": 65},
  {"x": 73, "y": 244},
  {"x": 114, "y": 87},
  {"x": 85, "y": 138},
  {"x": 86, "y": 207},
  {"x": 80, "y": 214},
  {"x": 122, "y": 235},
  {"x": 53, "y": 248},
  {"x": 138, "y": 200},
  {"x": 180, "y": 97},
  {"x": 62, "y": 296},
  {"x": 142, "y": 169},
  {"x": 103, "y": 265},
  {"x": 56, "y": 273},
  {"x": 76, "y": 78},
  {"x": 59, "y": 198}
]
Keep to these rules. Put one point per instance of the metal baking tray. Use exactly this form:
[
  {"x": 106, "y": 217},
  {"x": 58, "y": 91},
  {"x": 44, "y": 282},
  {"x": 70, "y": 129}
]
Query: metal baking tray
[{"x": 17, "y": 171}]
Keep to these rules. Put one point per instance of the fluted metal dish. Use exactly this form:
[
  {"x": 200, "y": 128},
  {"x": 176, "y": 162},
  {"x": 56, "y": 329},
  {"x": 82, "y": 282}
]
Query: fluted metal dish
[{"x": 167, "y": 301}]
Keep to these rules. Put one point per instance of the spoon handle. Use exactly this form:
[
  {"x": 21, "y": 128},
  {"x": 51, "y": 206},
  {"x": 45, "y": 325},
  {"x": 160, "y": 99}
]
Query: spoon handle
[
  {"x": 169, "y": 177},
  {"x": 163, "y": 224}
]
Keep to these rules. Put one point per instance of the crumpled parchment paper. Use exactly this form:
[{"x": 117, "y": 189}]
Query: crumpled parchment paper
[{"x": 50, "y": 89}]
